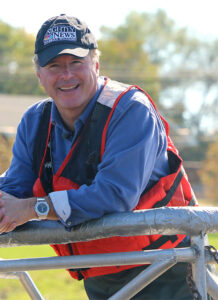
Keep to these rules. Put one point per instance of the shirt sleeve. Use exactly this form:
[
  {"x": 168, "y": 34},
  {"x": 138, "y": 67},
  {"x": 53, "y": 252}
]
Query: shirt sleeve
[{"x": 135, "y": 145}]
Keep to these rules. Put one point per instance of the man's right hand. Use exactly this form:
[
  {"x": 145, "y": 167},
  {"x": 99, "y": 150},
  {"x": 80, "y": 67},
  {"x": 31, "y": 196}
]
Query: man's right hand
[{"x": 15, "y": 211}]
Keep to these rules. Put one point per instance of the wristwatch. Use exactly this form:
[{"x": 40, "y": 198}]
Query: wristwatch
[{"x": 41, "y": 208}]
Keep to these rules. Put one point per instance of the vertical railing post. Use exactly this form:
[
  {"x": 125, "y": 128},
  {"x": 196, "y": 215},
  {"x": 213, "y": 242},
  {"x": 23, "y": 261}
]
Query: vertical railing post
[
  {"x": 198, "y": 267},
  {"x": 29, "y": 286}
]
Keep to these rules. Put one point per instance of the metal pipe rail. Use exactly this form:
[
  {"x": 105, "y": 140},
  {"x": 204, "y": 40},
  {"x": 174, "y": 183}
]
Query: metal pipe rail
[
  {"x": 165, "y": 221},
  {"x": 192, "y": 221},
  {"x": 97, "y": 260}
]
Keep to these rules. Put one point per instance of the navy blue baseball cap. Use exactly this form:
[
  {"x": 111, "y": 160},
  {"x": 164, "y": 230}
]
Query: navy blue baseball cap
[{"x": 63, "y": 35}]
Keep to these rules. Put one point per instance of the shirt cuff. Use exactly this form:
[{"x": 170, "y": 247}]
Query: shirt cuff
[{"x": 61, "y": 205}]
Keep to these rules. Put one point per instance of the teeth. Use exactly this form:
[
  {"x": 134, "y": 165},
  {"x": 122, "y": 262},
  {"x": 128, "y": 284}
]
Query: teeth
[{"x": 68, "y": 88}]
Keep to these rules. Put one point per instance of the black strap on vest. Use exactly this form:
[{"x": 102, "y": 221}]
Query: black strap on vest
[
  {"x": 41, "y": 137},
  {"x": 38, "y": 153},
  {"x": 193, "y": 200},
  {"x": 47, "y": 173},
  {"x": 173, "y": 163},
  {"x": 94, "y": 144},
  {"x": 161, "y": 241},
  {"x": 78, "y": 270},
  {"x": 171, "y": 191}
]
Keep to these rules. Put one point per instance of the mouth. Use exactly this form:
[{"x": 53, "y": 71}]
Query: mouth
[{"x": 69, "y": 88}]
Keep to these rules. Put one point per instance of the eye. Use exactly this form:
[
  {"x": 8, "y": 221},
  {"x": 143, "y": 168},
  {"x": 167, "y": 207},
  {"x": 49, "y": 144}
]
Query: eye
[
  {"x": 77, "y": 61},
  {"x": 53, "y": 65}
]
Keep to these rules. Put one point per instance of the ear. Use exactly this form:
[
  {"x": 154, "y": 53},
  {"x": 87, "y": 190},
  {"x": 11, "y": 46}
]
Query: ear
[
  {"x": 38, "y": 75},
  {"x": 97, "y": 68}
]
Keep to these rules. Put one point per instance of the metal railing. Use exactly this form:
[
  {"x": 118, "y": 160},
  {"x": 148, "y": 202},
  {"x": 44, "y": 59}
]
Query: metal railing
[{"x": 193, "y": 221}]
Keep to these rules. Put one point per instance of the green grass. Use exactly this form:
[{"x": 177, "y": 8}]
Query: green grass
[
  {"x": 52, "y": 284},
  {"x": 213, "y": 239}
]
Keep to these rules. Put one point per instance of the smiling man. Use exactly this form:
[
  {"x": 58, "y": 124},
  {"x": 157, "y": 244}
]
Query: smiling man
[
  {"x": 70, "y": 94},
  {"x": 95, "y": 146}
]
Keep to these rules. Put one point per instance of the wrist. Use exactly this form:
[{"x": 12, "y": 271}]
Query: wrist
[
  {"x": 51, "y": 214},
  {"x": 42, "y": 207}
]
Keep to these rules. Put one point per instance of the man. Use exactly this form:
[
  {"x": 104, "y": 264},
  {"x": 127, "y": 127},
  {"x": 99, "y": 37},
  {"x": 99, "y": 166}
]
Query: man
[{"x": 94, "y": 147}]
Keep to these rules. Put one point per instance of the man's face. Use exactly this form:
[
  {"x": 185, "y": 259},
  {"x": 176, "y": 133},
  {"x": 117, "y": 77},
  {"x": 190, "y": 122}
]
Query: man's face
[{"x": 70, "y": 81}]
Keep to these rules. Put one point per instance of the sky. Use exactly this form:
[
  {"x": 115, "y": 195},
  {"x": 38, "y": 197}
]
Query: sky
[{"x": 199, "y": 16}]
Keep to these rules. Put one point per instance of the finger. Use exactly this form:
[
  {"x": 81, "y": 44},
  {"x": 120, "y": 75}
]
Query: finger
[
  {"x": 10, "y": 227},
  {"x": 4, "y": 224},
  {"x": 2, "y": 212}
]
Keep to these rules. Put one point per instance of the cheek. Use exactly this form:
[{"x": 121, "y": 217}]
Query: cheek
[
  {"x": 92, "y": 76},
  {"x": 47, "y": 82},
  {"x": 44, "y": 84}
]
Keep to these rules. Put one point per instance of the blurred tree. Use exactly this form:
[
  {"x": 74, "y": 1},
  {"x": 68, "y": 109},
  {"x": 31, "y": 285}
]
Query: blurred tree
[
  {"x": 16, "y": 68},
  {"x": 209, "y": 173},
  {"x": 185, "y": 75},
  {"x": 5, "y": 152},
  {"x": 125, "y": 59}
]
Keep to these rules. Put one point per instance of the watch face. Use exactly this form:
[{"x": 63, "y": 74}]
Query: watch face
[{"x": 42, "y": 208}]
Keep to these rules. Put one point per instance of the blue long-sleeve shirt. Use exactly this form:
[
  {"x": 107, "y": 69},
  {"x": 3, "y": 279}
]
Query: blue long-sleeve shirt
[{"x": 135, "y": 157}]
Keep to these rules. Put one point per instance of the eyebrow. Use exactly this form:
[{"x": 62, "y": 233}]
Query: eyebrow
[{"x": 72, "y": 58}]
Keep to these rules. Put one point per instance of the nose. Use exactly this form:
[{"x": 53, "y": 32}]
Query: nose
[{"x": 66, "y": 71}]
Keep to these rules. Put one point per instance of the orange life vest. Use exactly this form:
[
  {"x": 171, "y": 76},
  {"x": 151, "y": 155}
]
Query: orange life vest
[{"x": 171, "y": 190}]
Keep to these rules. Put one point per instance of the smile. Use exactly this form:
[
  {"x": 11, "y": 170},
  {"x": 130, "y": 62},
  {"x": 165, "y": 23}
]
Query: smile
[{"x": 69, "y": 88}]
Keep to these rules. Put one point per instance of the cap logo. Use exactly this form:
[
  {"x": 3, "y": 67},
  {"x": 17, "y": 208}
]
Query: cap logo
[{"x": 60, "y": 33}]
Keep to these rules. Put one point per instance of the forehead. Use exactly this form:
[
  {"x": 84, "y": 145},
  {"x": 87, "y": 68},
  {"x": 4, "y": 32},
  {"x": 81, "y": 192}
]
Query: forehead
[{"x": 66, "y": 57}]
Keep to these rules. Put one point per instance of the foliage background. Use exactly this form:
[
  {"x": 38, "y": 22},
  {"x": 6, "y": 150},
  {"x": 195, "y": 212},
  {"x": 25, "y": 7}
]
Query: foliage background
[{"x": 5, "y": 152}]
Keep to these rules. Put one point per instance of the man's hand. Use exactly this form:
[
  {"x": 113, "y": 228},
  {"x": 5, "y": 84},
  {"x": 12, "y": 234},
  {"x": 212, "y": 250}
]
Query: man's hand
[{"x": 15, "y": 211}]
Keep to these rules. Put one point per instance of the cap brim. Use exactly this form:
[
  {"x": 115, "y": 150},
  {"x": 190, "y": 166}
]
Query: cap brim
[{"x": 45, "y": 56}]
